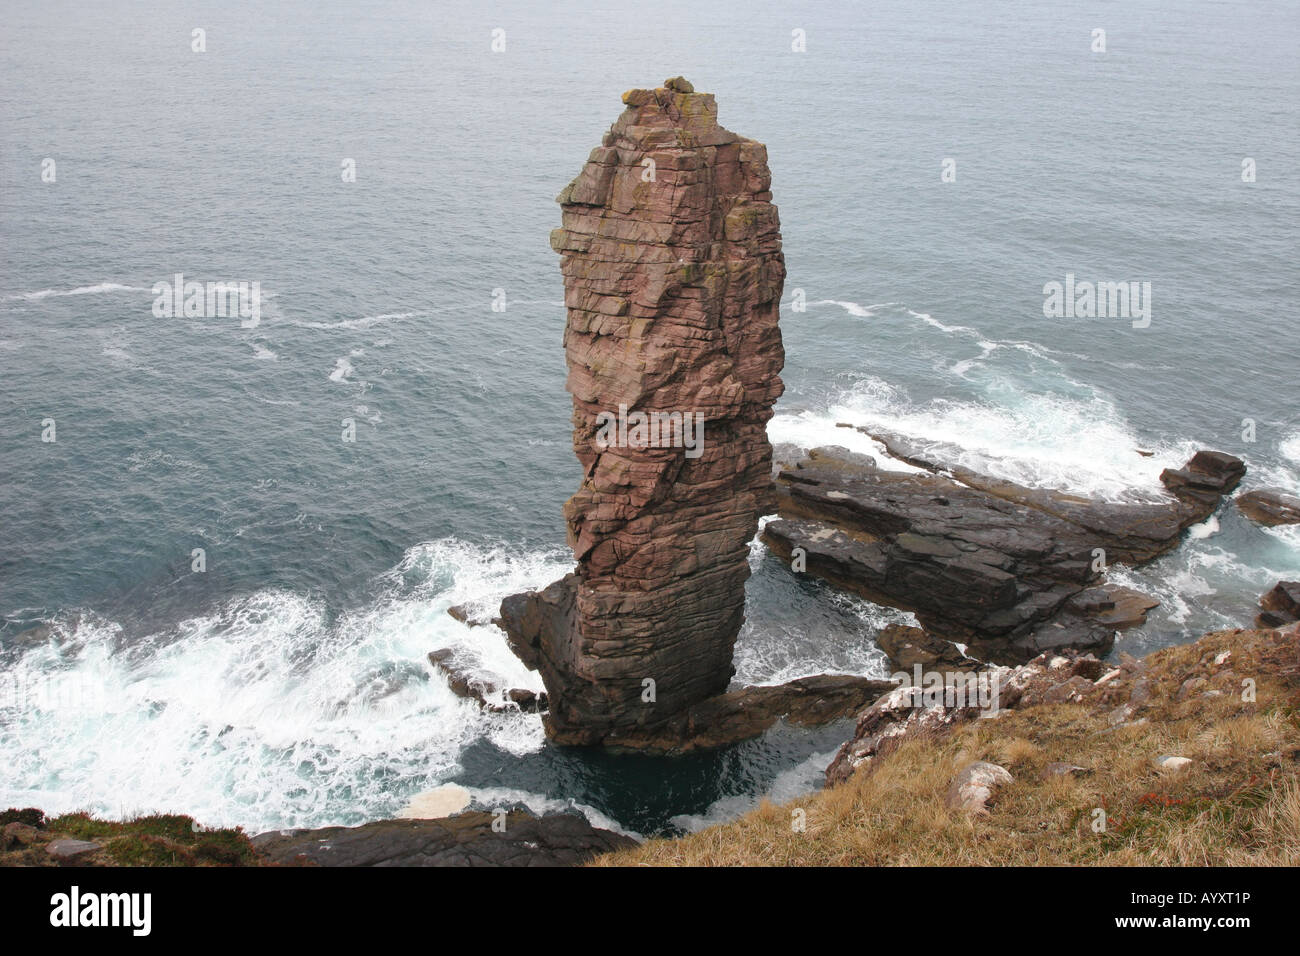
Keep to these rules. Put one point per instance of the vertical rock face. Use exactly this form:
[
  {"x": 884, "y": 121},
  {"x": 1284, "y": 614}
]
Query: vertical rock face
[{"x": 672, "y": 274}]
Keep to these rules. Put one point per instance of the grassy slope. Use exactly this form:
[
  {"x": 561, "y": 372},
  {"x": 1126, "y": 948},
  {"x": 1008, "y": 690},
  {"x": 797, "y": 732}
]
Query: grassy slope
[
  {"x": 1238, "y": 803},
  {"x": 158, "y": 840}
]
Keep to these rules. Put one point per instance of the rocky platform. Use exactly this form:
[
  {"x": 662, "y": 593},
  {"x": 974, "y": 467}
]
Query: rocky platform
[
  {"x": 1005, "y": 571},
  {"x": 467, "y": 839}
]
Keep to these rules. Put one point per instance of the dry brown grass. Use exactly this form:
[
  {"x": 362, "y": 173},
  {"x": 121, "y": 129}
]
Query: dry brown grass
[{"x": 1238, "y": 804}]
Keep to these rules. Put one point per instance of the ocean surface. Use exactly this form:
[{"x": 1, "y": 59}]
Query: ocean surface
[{"x": 287, "y": 685}]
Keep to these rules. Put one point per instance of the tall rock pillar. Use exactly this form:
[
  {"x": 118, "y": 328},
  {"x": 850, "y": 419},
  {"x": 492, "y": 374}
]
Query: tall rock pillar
[{"x": 673, "y": 271}]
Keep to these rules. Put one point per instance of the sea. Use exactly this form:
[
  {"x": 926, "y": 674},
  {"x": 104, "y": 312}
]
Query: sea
[{"x": 227, "y": 546}]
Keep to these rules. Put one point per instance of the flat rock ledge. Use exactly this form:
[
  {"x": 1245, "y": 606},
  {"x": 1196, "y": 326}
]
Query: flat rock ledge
[
  {"x": 1007, "y": 571},
  {"x": 467, "y": 839}
]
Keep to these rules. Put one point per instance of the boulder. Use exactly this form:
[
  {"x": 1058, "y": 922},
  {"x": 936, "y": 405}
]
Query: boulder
[
  {"x": 1206, "y": 478},
  {"x": 1059, "y": 769},
  {"x": 1269, "y": 506},
  {"x": 68, "y": 850},
  {"x": 907, "y": 646},
  {"x": 21, "y": 834},
  {"x": 972, "y": 789},
  {"x": 1281, "y": 605}
]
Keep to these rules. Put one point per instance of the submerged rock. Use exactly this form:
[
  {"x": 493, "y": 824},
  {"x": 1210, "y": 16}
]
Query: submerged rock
[
  {"x": 485, "y": 693},
  {"x": 673, "y": 274}
]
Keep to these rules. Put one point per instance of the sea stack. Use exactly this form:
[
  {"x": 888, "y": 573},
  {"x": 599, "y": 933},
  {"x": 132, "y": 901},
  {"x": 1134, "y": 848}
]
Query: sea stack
[{"x": 673, "y": 271}]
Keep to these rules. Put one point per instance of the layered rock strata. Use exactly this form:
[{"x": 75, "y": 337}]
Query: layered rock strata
[
  {"x": 1003, "y": 570},
  {"x": 673, "y": 273}
]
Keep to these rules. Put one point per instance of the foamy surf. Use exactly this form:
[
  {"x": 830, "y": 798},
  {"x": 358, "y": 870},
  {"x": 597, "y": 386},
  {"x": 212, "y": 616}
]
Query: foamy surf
[
  {"x": 491, "y": 798},
  {"x": 1079, "y": 444},
  {"x": 269, "y": 713},
  {"x": 364, "y": 322},
  {"x": 99, "y": 289},
  {"x": 853, "y": 308},
  {"x": 1289, "y": 447},
  {"x": 802, "y": 779}
]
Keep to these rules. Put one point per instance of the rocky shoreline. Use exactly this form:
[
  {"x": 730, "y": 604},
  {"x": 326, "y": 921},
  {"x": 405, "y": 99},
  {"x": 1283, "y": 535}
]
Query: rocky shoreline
[
  {"x": 673, "y": 274},
  {"x": 1125, "y": 698},
  {"x": 1006, "y": 570}
]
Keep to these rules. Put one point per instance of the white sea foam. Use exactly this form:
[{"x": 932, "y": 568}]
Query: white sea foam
[
  {"x": 852, "y": 308},
  {"x": 81, "y": 290},
  {"x": 491, "y": 798},
  {"x": 267, "y": 713},
  {"x": 835, "y": 635},
  {"x": 342, "y": 369},
  {"x": 935, "y": 323},
  {"x": 365, "y": 322},
  {"x": 1080, "y": 444},
  {"x": 803, "y": 778},
  {"x": 809, "y": 429},
  {"x": 1290, "y": 447},
  {"x": 1289, "y": 537}
]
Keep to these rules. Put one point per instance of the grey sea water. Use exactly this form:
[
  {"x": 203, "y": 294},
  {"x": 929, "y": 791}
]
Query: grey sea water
[{"x": 286, "y": 685}]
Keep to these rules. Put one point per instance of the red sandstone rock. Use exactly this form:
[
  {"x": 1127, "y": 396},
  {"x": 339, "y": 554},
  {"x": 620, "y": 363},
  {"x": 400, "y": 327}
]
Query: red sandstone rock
[
  {"x": 672, "y": 274},
  {"x": 1270, "y": 506}
]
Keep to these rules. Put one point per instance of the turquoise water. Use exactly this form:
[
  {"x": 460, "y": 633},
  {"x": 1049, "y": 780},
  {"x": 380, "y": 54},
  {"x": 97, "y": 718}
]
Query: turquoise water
[{"x": 286, "y": 685}]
